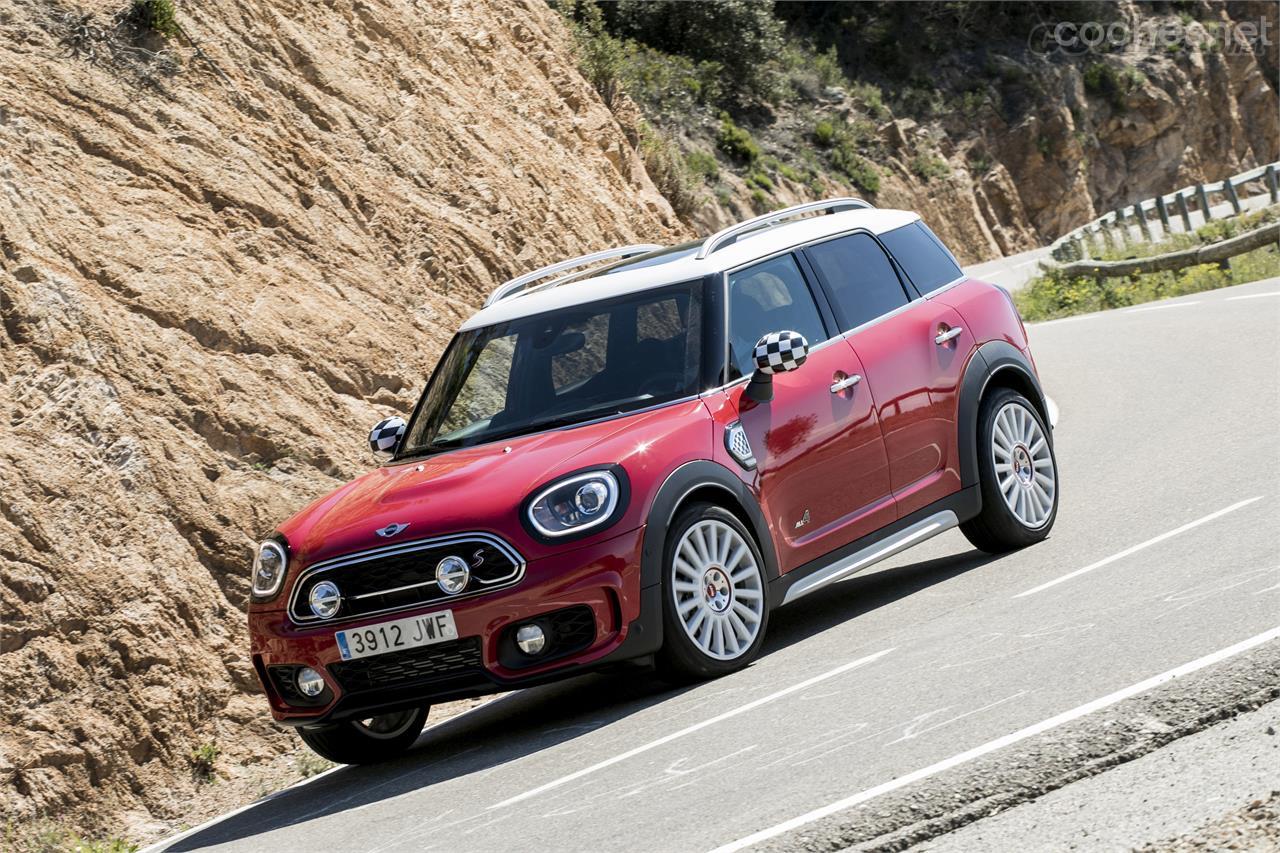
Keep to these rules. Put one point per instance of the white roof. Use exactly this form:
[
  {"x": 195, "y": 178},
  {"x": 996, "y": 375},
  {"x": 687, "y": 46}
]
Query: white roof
[{"x": 747, "y": 248}]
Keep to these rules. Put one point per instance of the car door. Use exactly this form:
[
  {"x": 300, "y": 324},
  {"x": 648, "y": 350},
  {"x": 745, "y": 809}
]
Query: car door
[
  {"x": 823, "y": 476},
  {"x": 913, "y": 351}
]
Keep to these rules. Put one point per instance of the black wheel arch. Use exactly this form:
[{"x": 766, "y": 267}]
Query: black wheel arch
[
  {"x": 996, "y": 364},
  {"x": 701, "y": 479}
]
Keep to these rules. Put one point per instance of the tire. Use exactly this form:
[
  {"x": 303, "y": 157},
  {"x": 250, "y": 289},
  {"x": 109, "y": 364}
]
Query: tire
[
  {"x": 1018, "y": 473},
  {"x": 366, "y": 741},
  {"x": 713, "y": 587}
]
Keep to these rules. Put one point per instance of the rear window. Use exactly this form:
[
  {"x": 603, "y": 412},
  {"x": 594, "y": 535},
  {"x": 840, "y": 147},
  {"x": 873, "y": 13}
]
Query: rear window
[{"x": 926, "y": 262}]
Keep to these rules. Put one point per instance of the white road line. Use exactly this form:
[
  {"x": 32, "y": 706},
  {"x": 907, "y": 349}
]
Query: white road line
[
  {"x": 1000, "y": 743},
  {"x": 1162, "y": 307},
  {"x": 1134, "y": 549},
  {"x": 741, "y": 709},
  {"x": 1253, "y": 295}
]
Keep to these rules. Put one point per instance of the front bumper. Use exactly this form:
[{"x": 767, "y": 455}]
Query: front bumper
[{"x": 604, "y": 577}]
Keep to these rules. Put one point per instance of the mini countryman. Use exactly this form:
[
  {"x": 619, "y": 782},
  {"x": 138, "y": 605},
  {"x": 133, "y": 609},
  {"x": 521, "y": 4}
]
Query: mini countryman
[{"x": 638, "y": 454}]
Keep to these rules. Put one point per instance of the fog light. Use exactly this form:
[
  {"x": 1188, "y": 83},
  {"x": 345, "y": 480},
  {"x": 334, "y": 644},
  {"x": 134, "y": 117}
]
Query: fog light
[
  {"x": 452, "y": 573},
  {"x": 310, "y": 682},
  {"x": 530, "y": 639},
  {"x": 325, "y": 599}
]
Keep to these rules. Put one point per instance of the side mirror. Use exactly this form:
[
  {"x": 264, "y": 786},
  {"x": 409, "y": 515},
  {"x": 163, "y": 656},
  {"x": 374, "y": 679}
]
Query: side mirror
[
  {"x": 776, "y": 352},
  {"x": 385, "y": 437}
]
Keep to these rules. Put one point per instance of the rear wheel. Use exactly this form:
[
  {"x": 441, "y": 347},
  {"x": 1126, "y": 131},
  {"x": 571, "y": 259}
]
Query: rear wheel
[
  {"x": 714, "y": 608},
  {"x": 366, "y": 741},
  {"x": 1018, "y": 473}
]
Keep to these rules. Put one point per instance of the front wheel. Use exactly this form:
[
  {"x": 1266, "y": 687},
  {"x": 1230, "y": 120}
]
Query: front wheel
[
  {"x": 714, "y": 610},
  {"x": 1018, "y": 473},
  {"x": 366, "y": 741}
]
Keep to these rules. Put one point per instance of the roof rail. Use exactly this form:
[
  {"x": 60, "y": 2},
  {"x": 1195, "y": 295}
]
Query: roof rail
[
  {"x": 517, "y": 285},
  {"x": 731, "y": 234}
]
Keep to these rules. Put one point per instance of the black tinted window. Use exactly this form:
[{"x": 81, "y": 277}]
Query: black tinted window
[
  {"x": 768, "y": 297},
  {"x": 928, "y": 265},
  {"x": 860, "y": 276}
]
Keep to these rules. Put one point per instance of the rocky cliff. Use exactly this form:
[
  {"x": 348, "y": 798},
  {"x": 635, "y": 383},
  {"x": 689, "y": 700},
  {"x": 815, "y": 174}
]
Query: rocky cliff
[{"x": 222, "y": 258}]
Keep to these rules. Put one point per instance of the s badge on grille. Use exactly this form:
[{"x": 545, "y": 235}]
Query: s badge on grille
[{"x": 391, "y": 530}]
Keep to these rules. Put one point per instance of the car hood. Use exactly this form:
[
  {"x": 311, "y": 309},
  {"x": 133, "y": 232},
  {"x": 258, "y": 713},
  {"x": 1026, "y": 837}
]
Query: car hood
[{"x": 469, "y": 489}]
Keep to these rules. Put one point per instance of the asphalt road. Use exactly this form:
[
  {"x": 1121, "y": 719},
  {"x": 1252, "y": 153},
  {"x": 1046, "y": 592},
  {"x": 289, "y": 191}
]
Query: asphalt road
[{"x": 942, "y": 662}]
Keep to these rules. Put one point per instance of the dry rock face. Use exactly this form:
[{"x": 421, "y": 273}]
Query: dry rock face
[{"x": 215, "y": 274}]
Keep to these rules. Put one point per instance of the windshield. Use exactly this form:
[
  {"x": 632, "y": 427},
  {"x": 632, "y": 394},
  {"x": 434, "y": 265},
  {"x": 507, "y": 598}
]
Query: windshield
[{"x": 561, "y": 368}]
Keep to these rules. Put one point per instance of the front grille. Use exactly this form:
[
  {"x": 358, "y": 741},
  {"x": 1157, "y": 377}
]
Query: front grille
[
  {"x": 411, "y": 666},
  {"x": 401, "y": 576}
]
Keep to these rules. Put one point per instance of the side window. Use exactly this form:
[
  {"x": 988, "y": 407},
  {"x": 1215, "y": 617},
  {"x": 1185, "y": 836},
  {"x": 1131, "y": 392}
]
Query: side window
[
  {"x": 920, "y": 253},
  {"x": 860, "y": 277},
  {"x": 768, "y": 297}
]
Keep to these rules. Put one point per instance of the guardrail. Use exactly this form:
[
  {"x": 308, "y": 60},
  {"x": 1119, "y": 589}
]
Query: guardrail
[
  {"x": 1210, "y": 253},
  {"x": 1106, "y": 229}
]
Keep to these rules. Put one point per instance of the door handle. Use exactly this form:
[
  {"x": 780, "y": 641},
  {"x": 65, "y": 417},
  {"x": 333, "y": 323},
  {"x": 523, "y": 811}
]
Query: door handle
[
  {"x": 953, "y": 332},
  {"x": 845, "y": 384}
]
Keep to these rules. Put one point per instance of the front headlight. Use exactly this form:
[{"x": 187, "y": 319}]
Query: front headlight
[
  {"x": 269, "y": 566},
  {"x": 577, "y": 504}
]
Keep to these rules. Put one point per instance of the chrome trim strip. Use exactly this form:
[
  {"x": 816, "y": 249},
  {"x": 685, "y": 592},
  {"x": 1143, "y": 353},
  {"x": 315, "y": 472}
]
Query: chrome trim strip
[
  {"x": 885, "y": 548},
  {"x": 517, "y": 284},
  {"x": 729, "y": 235},
  {"x": 517, "y": 573},
  {"x": 961, "y": 280}
]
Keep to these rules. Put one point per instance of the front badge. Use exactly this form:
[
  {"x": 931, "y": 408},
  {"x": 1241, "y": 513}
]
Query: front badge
[{"x": 391, "y": 530}]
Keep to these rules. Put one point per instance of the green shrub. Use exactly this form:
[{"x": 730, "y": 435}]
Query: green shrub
[
  {"x": 703, "y": 164},
  {"x": 203, "y": 759},
  {"x": 156, "y": 15},
  {"x": 761, "y": 180},
  {"x": 742, "y": 36},
  {"x": 856, "y": 168},
  {"x": 826, "y": 66},
  {"x": 670, "y": 172},
  {"x": 980, "y": 162},
  {"x": 759, "y": 201},
  {"x": 736, "y": 142},
  {"x": 871, "y": 98},
  {"x": 929, "y": 166},
  {"x": 824, "y": 133},
  {"x": 1113, "y": 84}
]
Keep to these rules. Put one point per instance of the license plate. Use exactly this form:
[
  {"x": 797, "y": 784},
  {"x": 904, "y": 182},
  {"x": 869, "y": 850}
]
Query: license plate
[{"x": 405, "y": 633}]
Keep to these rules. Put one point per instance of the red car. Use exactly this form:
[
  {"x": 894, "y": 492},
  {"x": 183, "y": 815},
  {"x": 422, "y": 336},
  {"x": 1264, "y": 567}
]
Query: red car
[{"x": 642, "y": 458}]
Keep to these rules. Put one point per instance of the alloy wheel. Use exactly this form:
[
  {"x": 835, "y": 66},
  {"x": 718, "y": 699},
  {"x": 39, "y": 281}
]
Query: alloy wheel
[
  {"x": 718, "y": 589},
  {"x": 386, "y": 726},
  {"x": 1023, "y": 464}
]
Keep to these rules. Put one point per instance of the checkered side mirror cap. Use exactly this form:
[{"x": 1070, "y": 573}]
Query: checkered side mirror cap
[
  {"x": 385, "y": 437},
  {"x": 780, "y": 352}
]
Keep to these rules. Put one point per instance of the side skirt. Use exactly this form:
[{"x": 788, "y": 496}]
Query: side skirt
[{"x": 904, "y": 533}]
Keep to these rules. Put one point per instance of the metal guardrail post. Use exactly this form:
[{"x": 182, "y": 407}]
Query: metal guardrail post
[
  {"x": 1186, "y": 213},
  {"x": 1231, "y": 195},
  {"x": 1202, "y": 198},
  {"x": 1273, "y": 186},
  {"x": 1122, "y": 227},
  {"x": 1163, "y": 210},
  {"x": 1143, "y": 225}
]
